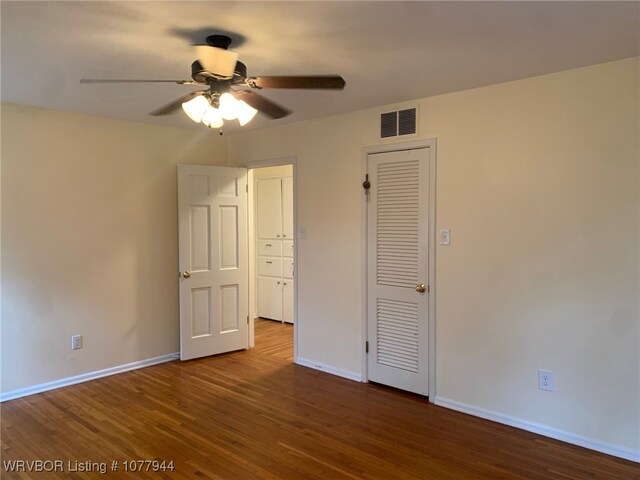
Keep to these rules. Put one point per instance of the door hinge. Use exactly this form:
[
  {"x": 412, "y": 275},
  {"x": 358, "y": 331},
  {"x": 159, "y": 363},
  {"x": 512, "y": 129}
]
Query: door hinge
[
  {"x": 247, "y": 319},
  {"x": 246, "y": 188},
  {"x": 366, "y": 347}
]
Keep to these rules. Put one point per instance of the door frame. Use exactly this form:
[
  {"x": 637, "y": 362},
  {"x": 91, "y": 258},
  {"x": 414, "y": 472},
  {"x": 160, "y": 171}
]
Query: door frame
[
  {"x": 250, "y": 166},
  {"x": 429, "y": 143}
]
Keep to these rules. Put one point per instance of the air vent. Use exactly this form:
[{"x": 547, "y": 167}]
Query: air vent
[
  {"x": 402, "y": 122},
  {"x": 407, "y": 121},
  {"x": 389, "y": 124}
]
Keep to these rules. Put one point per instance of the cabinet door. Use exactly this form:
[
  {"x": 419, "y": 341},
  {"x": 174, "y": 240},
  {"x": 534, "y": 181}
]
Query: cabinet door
[
  {"x": 269, "y": 208},
  {"x": 287, "y": 267},
  {"x": 287, "y": 207},
  {"x": 287, "y": 301},
  {"x": 287, "y": 247},
  {"x": 270, "y": 298}
]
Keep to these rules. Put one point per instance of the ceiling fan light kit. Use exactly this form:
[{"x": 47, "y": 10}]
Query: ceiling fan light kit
[
  {"x": 228, "y": 106},
  {"x": 245, "y": 112},
  {"x": 212, "y": 118},
  {"x": 212, "y": 111},
  {"x": 229, "y": 94},
  {"x": 196, "y": 108}
]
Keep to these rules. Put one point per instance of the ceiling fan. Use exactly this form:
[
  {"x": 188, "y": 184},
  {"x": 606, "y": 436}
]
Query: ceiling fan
[{"x": 229, "y": 92}]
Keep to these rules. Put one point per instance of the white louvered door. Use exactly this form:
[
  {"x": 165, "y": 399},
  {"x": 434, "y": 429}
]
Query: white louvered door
[{"x": 397, "y": 246}]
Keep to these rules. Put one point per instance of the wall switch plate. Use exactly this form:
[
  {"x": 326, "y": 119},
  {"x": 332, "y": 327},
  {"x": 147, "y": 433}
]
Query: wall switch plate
[
  {"x": 76, "y": 342},
  {"x": 545, "y": 380},
  {"x": 445, "y": 237},
  {"x": 302, "y": 232}
]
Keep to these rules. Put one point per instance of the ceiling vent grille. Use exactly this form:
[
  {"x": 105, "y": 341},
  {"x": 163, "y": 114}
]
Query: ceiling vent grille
[{"x": 401, "y": 122}]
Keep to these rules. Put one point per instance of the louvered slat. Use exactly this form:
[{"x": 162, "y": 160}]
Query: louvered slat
[
  {"x": 397, "y": 334},
  {"x": 397, "y": 224}
]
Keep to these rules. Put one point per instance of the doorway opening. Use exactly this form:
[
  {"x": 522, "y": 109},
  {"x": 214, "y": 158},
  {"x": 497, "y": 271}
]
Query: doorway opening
[{"x": 272, "y": 260}]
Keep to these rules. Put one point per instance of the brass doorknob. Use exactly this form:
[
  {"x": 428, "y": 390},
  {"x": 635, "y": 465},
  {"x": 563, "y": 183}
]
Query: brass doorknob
[
  {"x": 421, "y": 288},
  {"x": 186, "y": 274}
]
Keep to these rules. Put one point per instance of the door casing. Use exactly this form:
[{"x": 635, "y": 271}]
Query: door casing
[{"x": 394, "y": 147}]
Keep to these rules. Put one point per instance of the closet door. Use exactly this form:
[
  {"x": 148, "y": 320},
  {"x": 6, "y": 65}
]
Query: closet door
[
  {"x": 398, "y": 246},
  {"x": 269, "y": 208},
  {"x": 287, "y": 207}
]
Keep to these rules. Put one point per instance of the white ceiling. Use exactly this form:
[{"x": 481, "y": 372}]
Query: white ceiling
[{"x": 387, "y": 52}]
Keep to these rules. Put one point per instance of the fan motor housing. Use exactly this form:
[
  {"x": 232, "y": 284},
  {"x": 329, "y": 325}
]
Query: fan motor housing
[{"x": 199, "y": 74}]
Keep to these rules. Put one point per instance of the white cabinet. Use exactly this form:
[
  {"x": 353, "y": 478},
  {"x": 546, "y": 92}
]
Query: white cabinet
[
  {"x": 270, "y": 248},
  {"x": 287, "y": 301},
  {"x": 270, "y": 267},
  {"x": 287, "y": 207},
  {"x": 274, "y": 245},
  {"x": 270, "y": 298},
  {"x": 287, "y": 268},
  {"x": 287, "y": 248},
  {"x": 269, "y": 208}
]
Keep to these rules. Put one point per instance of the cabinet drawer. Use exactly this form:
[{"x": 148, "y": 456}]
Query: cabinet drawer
[
  {"x": 270, "y": 266},
  {"x": 287, "y": 247},
  {"x": 288, "y": 268},
  {"x": 270, "y": 248}
]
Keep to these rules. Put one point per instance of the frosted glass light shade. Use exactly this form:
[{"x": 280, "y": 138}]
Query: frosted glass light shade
[
  {"x": 245, "y": 112},
  {"x": 218, "y": 61},
  {"x": 196, "y": 107},
  {"x": 212, "y": 118},
  {"x": 228, "y": 106}
]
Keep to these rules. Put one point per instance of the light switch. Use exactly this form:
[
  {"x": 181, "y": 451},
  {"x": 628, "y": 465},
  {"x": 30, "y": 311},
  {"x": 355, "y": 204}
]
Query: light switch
[
  {"x": 302, "y": 232},
  {"x": 445, "y": 237}
]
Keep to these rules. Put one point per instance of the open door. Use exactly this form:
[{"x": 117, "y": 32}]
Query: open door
[{"x": 212, "y": 228}]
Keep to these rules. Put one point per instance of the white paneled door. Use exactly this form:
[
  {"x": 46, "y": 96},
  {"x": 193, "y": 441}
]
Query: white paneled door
[
  {"x": 212, "y": 225},
  {"x": 397, "y": 286}
]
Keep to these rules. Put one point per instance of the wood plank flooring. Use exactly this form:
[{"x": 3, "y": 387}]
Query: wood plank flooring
[
  {"x": 274, "y": 339},
  {"x": 254, "y": 414}
]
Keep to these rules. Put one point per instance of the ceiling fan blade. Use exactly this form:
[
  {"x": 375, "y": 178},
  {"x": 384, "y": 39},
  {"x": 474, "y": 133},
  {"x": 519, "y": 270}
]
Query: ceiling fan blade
[
  {"x": 261, "y": 103},
  {"x": 118, "y": 80},
  {"x": 317, "y": 81},
  {"x": 176, "y": 104}
]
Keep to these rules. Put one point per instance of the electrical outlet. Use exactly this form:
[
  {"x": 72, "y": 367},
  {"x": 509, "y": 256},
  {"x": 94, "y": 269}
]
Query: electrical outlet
[
  {"x": 545, "y": 380},
  {"x": 76, "y": 342}
]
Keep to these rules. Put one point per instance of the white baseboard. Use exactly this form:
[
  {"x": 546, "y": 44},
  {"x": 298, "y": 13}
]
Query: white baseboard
[
  {"x": 603, "y": 447},
  {"x": 85, "y": 377},
  {"x": 328, "y": 369}
]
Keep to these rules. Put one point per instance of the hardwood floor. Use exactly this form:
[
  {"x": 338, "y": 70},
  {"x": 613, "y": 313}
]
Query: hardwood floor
[
  {"x": 254, "y": 414},
  {"x": 274, "y": 338}
]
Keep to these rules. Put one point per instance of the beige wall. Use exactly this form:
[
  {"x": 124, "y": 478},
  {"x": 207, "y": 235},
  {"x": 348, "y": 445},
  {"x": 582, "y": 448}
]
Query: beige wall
[
  {"x": 89, "y": 240},
  {"x": 538, "y": 181}
]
